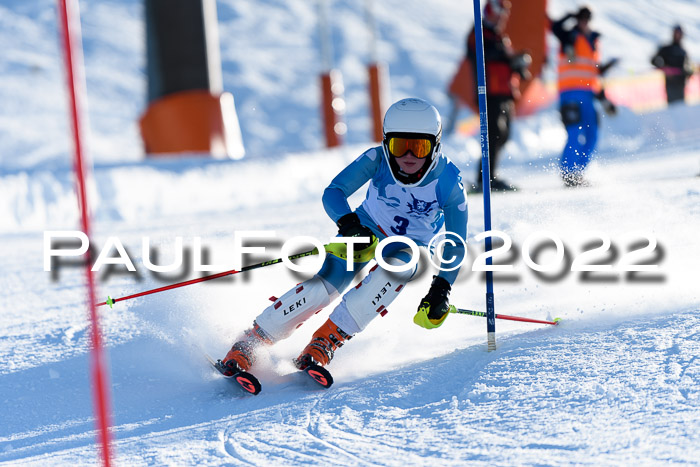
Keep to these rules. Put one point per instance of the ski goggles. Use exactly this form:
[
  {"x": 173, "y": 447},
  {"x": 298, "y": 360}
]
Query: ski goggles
[{"x": 399, "y": 146}]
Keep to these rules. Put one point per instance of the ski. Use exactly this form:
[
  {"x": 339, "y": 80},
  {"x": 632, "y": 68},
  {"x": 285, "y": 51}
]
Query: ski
[
  {"x": 243, "y": 379},
  {"x": 319, "y": 374}
]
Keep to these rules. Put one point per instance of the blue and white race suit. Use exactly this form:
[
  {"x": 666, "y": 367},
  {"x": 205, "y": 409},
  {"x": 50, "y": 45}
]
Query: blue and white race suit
[{"x": 418, "y": 211}]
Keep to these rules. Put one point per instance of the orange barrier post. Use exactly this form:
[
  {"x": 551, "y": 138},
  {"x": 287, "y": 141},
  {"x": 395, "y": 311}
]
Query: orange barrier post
[
  {"x": 527, "y": 29},
  {"x": 187, "y": 108},
  {"x": 332, "y": 107},
  {"x": 192, "y": 121},
  {"x": 377, "y": 85}
]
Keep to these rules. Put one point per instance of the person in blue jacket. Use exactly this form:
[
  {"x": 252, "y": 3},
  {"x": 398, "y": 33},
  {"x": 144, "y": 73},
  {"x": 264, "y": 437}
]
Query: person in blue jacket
[{"x": 415, "y": 191}]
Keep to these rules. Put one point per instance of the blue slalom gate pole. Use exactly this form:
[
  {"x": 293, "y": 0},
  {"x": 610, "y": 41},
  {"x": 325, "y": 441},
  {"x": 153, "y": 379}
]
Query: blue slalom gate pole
[{"x": 486, "y": 171}]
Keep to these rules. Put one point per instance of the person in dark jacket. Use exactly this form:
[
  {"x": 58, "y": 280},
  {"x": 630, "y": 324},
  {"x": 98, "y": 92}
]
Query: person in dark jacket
[
  {"x": 673, "y": 60},
  {"x": 504, "y": 68}
]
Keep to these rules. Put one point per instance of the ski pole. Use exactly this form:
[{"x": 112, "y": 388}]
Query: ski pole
[
  {"x": 486, "y": 170},
  {"x": 111, "y": 301},
  {"x": 454, "y": 309}
]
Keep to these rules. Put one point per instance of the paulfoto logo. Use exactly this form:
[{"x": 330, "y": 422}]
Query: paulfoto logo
[
  {"x": 636, "y": 254},
  {"x": 75, "y": 244}
]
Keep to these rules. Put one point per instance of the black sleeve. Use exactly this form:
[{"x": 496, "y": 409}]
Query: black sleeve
[
  {"x": 495, "y": 49},
  {"x": 658, "y": 60},
  {"x": 688, "y": 68},
  {"x": 471, "y": 38},
  {"x": 558, "y": 30}
]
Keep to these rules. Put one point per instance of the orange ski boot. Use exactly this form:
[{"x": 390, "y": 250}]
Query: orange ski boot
[
  {"x": 242, "y": 354},
  {"x": 323, "y": 344}
]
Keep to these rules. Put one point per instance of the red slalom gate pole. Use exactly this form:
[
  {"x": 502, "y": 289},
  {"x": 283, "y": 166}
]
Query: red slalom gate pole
[{"x": 70, "y": 27}]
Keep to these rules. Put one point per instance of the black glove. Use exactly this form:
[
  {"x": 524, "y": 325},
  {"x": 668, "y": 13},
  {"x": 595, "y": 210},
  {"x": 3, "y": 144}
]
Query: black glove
[
  {"x": 602, "y": 69},
  {"x": 437, "y": 300},
  {"x": 520, "y": 63},
  {"x": 350, "y": 226},
  {"x": 608, "y": 106}
]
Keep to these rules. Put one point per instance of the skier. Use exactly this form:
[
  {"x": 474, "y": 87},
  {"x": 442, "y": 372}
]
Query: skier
[
  {"x": 504, "y": 68},
  {"x": 414, "y": 190},
  {"x": 579, "y": 83},
  {"x": 673, "y": 60}
]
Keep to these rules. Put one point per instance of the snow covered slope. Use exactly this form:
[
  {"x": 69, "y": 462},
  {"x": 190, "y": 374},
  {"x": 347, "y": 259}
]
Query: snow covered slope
[{"x": 616, "y": 383}]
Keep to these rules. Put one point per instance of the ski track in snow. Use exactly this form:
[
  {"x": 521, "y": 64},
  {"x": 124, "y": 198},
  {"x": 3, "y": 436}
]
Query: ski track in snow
[{"x": 574, "y": 394}]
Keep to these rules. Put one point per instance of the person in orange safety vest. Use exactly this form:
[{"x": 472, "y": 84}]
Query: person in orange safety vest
[{"x": 579, "y": 72}]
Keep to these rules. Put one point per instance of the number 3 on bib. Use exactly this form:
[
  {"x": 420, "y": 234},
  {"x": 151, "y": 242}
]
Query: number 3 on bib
[{"x": 402, "y": 225}]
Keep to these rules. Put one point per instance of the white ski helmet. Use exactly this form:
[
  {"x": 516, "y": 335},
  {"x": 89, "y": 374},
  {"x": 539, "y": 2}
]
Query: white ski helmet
[{"x": 412, "y": 118}]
